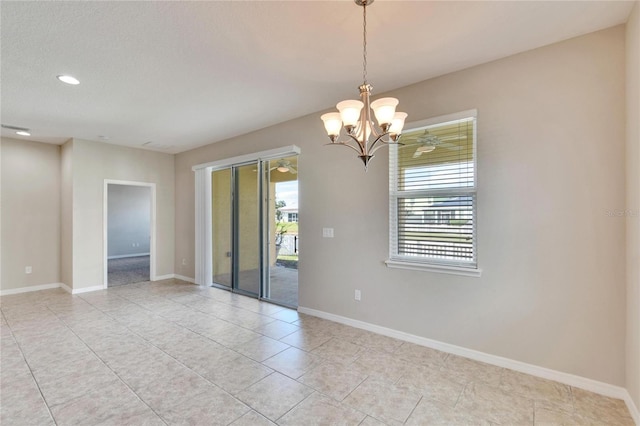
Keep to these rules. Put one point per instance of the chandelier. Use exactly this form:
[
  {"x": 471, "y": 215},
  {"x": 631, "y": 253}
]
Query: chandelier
[{"x": 363, "y": 135}]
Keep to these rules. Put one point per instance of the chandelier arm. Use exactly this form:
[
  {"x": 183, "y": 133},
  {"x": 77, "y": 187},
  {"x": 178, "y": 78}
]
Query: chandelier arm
[
  {"x": 379, "y": 139},
  {"x": 382, "y": 146},
  {"x": 375, "y": 133},
  {"x": 348, "y": 145}
]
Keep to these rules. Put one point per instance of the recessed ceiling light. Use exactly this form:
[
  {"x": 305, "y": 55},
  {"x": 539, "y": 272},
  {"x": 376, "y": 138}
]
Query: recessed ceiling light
[
  {"x": 68, "y": 79},
  {"x": 23, "y": 133}
]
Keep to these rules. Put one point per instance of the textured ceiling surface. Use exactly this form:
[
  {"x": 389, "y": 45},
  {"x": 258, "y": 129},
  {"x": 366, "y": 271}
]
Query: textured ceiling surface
[{"x": 177, "y": 75}]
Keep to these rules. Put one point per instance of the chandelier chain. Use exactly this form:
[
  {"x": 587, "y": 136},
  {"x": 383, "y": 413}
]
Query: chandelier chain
[{"x": 364, "y": 42}]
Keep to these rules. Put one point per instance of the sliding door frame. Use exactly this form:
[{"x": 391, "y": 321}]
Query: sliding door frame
[{"x": 203, "y": 211}]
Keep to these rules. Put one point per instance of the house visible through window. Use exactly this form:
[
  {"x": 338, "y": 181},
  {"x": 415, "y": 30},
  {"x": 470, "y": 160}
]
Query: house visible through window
[
  {"x": 292, "y": 217},
  {"x": 433, "y": 194}
]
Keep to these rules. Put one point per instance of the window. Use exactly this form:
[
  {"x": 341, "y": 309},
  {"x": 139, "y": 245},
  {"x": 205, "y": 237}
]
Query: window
[
  {"x": 432, "y": 195},
  {"x": 292, "y": 217}
]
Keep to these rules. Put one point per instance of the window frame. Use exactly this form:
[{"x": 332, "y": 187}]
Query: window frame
[{"x": 397, "y": 260}]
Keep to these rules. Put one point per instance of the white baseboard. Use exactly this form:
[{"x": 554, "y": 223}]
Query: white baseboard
[
  {"x": 29, "y": 289},
  {"x": 595, "y": 386},
  {"x": 81, "y": 290},
  {"x": 176, "y": 276},
  {"x": 163, "y": 277},
  {"x": 183, "y": 278},
  {"x": 128, "y": 255}
]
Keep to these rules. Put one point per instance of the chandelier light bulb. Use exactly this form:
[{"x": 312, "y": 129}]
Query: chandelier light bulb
[
  {"x": 332, "y": 123},
  {"x": 350, "y": 112},
  {"x": 397, "y": 124},
  {"x": 384, "y": 109}
]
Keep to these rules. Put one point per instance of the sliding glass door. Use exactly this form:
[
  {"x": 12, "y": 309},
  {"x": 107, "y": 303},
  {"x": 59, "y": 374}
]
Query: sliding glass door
[
  {"x": 247, "y": 230},
  {"x": 254, "y": 209},
  {"x": 221, "y": 226},
  {"x": 281, "y": 184}
]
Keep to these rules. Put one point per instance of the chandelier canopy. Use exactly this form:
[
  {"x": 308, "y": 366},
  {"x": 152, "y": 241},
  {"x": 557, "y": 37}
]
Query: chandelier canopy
[{"x": 363, "y": 135}]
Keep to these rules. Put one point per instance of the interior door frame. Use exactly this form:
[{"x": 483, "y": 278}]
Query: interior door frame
[
  {"x": 203, "y": 228},
  {"x": 105, "y": 227}
]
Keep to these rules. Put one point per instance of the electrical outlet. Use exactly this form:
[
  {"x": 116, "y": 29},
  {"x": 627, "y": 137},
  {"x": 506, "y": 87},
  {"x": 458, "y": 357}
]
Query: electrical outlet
[
  {"x": 28, "y": 270},
  {"x": 184, "y": 262},
  {"x": 358, "y": 295},
  {"x": 327, "y": 232}
]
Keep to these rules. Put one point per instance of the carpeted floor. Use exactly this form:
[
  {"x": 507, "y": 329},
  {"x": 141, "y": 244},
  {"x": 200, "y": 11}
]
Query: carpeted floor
[{"x": 128, "y": 270}]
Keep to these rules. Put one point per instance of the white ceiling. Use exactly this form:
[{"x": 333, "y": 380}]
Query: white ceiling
[{"x": 186, "y": 74}]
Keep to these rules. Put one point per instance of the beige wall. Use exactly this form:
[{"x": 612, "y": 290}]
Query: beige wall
[
  {"x": 30, "y": 199},
  {"x": 93, "y": 163},
  {"x": 633, "y": 204},
  {"x": 66, "y": 210},
  {"x": 551, "y": 154}
]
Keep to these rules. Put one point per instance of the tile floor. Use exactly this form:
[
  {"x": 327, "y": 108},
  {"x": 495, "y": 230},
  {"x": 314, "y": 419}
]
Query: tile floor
[{"x": 174, "y": 353}]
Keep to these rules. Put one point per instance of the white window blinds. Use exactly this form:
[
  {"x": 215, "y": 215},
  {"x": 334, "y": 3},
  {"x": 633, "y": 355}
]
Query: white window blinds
[{"x": 433, "y": 193}]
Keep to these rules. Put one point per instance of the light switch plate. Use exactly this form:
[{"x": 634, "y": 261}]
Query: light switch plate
[{"x": 327, "y": 232}]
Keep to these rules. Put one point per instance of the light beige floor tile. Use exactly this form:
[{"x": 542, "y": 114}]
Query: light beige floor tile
[
  {"x": 61, "y": 389},
  {"x": 144, "y": 417},
  {"x": 98, "y": 406},
  {"x": 378, "y": 342},
  {"x": 274, "y": 395},
  {"x": 338, "y": 351},
  {"x": 318, "y": 410},
  {"x": 293, "y": 362},
  {"x": 555, "y": 417},
  {"x": 334, "y": 380},
  {"x": 306, "y": 340},
  {"x": 276, "y": 329},
  {"x": 196, "y": 351},
  {"x": 190, "y": 400},
  {"x": 244, "y": 318},
  {"x": 265, "y": 308},
  {"x": 85, "y": 362},
  {"x": 228, "y": 334},
  {"x": 553, "y": 393},
  {"x": 382, "y": 364},
  {"x": 383, "y": 400},
  {"x": 320, "y": 325},
  {"x": 487, "y": 402},
  {"x": 22, "y": 403},
  {"x": 434, "y": 384},
  {"x": 370, "y": 421},
  {"x": 468, "y": 370},
  {"x": 72, "y": 343},
  {"x": 430, "y": 412},
  {"x": 236, "y": 374},
  {"x": 253, "y": 418},
  {"x": 206, "y": 407},
  {"x": 589, "y": 405},
  {"x": 421, "y": 355},
  {"x": 261, "y": 348},
  {"x": 142, "y": 372},
  {"x": 286, "y": 315}
]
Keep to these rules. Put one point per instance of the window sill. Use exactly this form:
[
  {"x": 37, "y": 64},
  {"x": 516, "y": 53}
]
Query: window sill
[{"x": 443, "y": 269}]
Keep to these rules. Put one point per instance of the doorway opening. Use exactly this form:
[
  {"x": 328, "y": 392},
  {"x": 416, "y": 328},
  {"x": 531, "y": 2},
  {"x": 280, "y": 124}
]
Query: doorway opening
[{"x": 129, "y": 233}]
